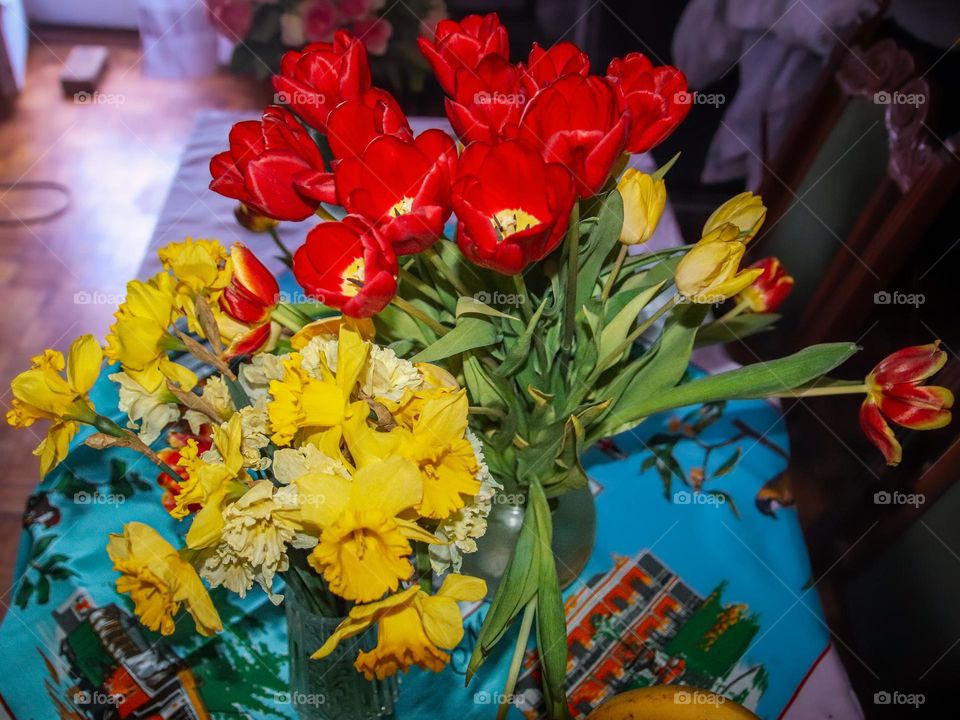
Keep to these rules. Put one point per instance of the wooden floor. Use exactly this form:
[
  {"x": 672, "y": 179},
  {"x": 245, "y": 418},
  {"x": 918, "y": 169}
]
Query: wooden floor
[{"x": 62, "y": 278}]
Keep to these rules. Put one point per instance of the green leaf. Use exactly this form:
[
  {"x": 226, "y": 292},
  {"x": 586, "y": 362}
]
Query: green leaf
[
  {"x": 517, "y": 587},
  {"x": 663, "y": 271},
  {"x": 603, "y": 238},
  {"x": 666, "y": 367},
  {"x": 519, "y": 350},
  {"x": 727, "y": 500},
  {"x": 551, "y": 622},
  {"x": 23, "y": 593},
  {"x": 752, "y": 381},
  {"x": 470, "y": 333},
  {"x": 616, "y": 331},
  {"x": 472, "y": 306},
  {"x": 570, "y": 474},
  {"x": 41, "y": 545},
  {"x": 729, "y": 464},
  {"x": 661, "y": 171},
  {"x": 43, "y": 590},
  {"x": 736, "y": 328}
]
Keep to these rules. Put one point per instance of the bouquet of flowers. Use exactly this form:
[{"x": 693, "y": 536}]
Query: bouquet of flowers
[
  {"x": 353, "y": 443},
  {"x": 262, "y": 30}
]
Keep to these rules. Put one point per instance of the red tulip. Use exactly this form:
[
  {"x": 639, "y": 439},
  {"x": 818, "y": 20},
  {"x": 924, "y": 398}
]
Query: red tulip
[
  {"x": 248, "y": 300},
  {"x": 577, "y": 122},
  {"x": 349, "y": 266},
  {"x": 770, "y": 289},
  {"x": 546, "y": 66},
  {"x": 354, "y": 123},
  {"x": 513, "y": 207},
  {"x": 894, "y": 393},
  {"x": 272, "y": 166},
  {"x": 656, "y": 98},
  {"x": 321, "y": 76},
  {"x": 488, "y": 101},
  {"x": 463, "y": 44},
  {"x": 403, "y": 186}
]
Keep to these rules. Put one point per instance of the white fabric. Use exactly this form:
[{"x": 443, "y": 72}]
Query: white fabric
[
  {"x": 178, "y": 40},
  {"x": 779, "y": 47}
]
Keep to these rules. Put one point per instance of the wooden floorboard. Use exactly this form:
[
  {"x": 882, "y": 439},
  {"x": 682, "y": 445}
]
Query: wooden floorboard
[{"x": 117, "y": 155}]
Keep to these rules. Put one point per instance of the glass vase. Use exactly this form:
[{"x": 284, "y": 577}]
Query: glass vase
[
  {"x": 332, "y": 689},
  {"x": 574, "y": 532}
]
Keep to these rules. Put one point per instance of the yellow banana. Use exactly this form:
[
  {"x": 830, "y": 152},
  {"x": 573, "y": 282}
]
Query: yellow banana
[{"x": 670, "y": 702}]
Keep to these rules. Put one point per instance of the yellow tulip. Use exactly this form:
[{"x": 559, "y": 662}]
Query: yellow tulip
[
  {"x": 42, "y": 393},
  {"x": 746, "y": 211},
  {"x": 710, "y": 272},
  {"x": 643, "y": 201},
  {"x": 414, "y": 628},
  {"x": 158, "y": 581}
]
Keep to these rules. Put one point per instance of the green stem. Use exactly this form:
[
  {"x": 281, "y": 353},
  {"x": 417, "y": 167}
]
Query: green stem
[
  {"x": 109, "y": 427},
  {"x": 647, "y": 258},
  {"x": 573, "y": 261},
  {"x": 424, "y": 568},
  {"x": 614, "y": 272},
  {"x": 411, "y": 279},
  {"x": 287, "y": 257},
  {"x": 286, "y": 316},
  {"x": 446, "y": 271},
  {"x": 524, "y": 297},
  {"x": 418, "y": 314},
  {"x": 486, "y": 411},
  {"x": 515, "y": 662},
  {"x": 738, "y": 309},
  {"x": 821, "y": 391}
]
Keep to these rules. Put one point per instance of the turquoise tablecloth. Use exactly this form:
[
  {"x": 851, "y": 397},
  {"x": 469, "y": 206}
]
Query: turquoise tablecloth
[{"x": 704, "y": 590}]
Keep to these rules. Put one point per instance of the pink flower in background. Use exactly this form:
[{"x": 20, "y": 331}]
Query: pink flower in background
[
  {"x": 356, "y": 9},
  {"x": 232, "y": 18},
  {"x": 374, "y": 32},
  {"x": 436, "y": 14},
  {"x": 319, "y": 20}
]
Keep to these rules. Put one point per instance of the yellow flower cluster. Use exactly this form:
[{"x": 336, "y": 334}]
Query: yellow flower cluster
[{"x": 337, "y": 456}]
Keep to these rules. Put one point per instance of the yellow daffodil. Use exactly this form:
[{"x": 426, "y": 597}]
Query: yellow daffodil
[
  {"x": 140, "y": 337},
  {"x": 414, "y": 628},
  {"x": 710, "y": 272},
  {"x": 364, "y": 544},
  {"x": 447, "y": 462},
  {"x": 159, "y": 581},
  {"x": 435, "y": 382},
  {"x": 201, "y": 268},
  {"x": 42, "y": 393},
  {"x": 309, "y": 407},
  {"x": 330, "y": 327},
  {"x": 745, "y": 210},
  {"x": 211, "y": 484},
  {"x": 643, "y": 201}
]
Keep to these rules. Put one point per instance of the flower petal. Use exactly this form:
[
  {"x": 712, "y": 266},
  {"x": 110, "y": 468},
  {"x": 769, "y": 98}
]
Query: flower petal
[
  {"x": 879, "y": 433},
  {"x": 911, "y": 364},
  {"x": 917, "y": 407}
]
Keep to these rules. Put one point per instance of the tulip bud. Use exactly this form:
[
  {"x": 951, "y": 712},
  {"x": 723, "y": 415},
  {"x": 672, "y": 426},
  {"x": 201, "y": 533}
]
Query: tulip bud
[
  {"x": 710, "y": 272},
  {"x": 253, "y": 221},
  {"x": 643, "y": 201},
  {"x": 745, "y": 210},
  {"x": 770, "y": 289}
]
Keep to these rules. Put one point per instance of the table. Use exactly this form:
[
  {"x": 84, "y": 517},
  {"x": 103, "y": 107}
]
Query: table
[{"x": 703, "y": 590}]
